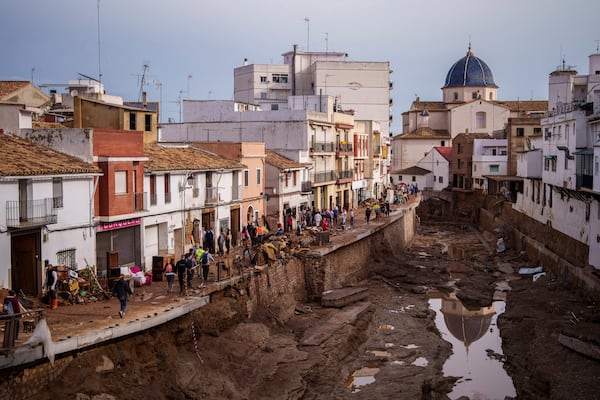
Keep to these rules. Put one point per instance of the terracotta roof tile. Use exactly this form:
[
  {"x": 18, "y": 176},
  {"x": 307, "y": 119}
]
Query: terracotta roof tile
[
  {"x": 525, "y": 105},
  {"x": 426, "y": 133},
  {"x": 7, "y": 87},
  {"x": 281, "y": 162},
  {"x": 445, "y": 152},
  {"x": 21, "y": 157},
  {"x": 414, "y": 170},
  {"x": 428, "y": 105},
  {"x": 172, "y": 158}
]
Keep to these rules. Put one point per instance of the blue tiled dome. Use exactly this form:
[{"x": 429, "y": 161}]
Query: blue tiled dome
[{"x": 469, "y": 71}]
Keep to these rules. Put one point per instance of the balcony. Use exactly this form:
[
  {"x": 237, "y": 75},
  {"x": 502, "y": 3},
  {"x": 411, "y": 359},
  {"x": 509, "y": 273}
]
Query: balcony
[
  {"x": 140, "y": 202},
  {"x": 344, "y": 149},
  {"x": 345, "y": 176},
  {"x": 212, "y": 195},
  {"x": 28, "y": 213},
  {"x": 322, "y": 147},
  {"x": 306, "y": 187},
  {"x": 321, "y": 177}
]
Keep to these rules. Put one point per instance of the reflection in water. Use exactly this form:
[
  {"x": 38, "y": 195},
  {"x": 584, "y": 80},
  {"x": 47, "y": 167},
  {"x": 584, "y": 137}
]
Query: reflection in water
[{"x": 471, "y": 333}]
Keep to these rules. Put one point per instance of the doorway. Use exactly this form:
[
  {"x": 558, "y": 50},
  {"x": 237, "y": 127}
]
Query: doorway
[{"x": 25, "y": 274}]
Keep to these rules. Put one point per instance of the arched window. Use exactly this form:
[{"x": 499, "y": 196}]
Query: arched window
[
  {"x": 455, "y": 95},
  {"x": 480, "y": 120}
]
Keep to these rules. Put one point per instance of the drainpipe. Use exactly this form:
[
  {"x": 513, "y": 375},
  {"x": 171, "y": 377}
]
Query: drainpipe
[{"x": 294, "y": 70}]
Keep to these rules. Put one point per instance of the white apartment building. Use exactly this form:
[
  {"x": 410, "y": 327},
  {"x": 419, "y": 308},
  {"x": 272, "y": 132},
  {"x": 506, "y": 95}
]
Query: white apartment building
[
  {"x": 46, "y": 214},
  {"x": 490, "y": 158},
  {"x": 308, "y": 131},
  {"x": 567, "y": 195},
  {"x": 360, "y": 88}
]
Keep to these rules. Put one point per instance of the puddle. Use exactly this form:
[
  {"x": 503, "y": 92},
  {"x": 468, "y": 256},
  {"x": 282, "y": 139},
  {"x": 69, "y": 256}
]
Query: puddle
[
  {"x": 473, "y": 335},
  {"x": 361, "y": 377},
  {"x": 420, "y": 362}
]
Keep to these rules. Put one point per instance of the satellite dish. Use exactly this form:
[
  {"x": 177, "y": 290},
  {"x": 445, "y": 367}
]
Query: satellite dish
[{"x": 74, "y": 93}]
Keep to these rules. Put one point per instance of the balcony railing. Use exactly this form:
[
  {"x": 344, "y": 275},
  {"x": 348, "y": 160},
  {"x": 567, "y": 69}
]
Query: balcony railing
[
  {"x": 22, "y": 214},
  {"x": 324, "y": 177},
  {"x": 212, "y": 195},
  {"x": 306, "y": 186},
  {"x": 345, "y": 176},
  {"x": 344, "y": 149},
  {"x": 322, "y": 147}
]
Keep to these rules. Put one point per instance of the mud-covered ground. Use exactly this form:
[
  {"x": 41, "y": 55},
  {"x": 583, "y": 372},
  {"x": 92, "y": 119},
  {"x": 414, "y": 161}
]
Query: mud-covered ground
[{"x": 216, "y": 353}]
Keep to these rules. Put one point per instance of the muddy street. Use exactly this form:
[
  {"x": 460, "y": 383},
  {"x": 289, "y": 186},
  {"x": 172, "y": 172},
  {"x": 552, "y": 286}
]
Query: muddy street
[{"x": 443, "y": 319}]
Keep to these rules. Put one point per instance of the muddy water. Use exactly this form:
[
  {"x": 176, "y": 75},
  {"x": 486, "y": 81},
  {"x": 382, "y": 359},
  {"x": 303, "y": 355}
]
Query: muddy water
[{"x": 477, "y": 348}]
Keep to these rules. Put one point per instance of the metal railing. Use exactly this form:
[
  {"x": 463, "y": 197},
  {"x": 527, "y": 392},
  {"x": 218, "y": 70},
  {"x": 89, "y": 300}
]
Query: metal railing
[
  {"x": 322, "y": 147},
  {"x": 306, "y": 186},
  {"x": 320, "y": 177},
  {"x": 20, "y": 214}
]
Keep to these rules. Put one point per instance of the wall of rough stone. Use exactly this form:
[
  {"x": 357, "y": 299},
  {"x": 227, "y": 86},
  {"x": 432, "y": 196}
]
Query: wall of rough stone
[{"x": 279, "y": 287}]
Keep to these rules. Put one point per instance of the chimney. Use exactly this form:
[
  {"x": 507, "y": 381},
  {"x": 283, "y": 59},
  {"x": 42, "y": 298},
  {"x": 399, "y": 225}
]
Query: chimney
[{"x": 144, "y": 98}]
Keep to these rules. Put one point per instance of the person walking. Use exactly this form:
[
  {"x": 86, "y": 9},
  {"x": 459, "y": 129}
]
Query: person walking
[
  {"x": 368, "y": 214},
  {"x": 221, "y": 244},
  {"x": 52, "y": 285},
  {"x": 180, "y": 267},
  {"x": 352, "y": 218},
  {"x": 121, "y": 290},
  {"x": 190, "y": 268},
  {"x": 206, "y": 259},
  {"x": 169, "y": 271},
  {"x": 228, "y": 240}
]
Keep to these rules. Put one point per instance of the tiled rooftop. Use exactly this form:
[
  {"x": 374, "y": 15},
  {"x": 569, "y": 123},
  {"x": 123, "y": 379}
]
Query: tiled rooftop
[
  {"x": 7, "y": 87},
  {"x": 171, "y": 158},
  {"x": 280, "y": 161},
  {"x": 21, "y": 157}
]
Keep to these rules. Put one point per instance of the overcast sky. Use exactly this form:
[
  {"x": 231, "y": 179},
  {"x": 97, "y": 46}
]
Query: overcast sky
[{"x": 196, "y": 44}]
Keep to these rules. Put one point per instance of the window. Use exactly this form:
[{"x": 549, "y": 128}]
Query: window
[
  {"x": 475, "y": 95},
  {"x": 441, "y": 179},
  {"x": 443, "y": 143},
  {"x": 66, "y": 257},
  {"x": 460, "y": 164},
  {"x": 480, "y": 120},
  {"x": 167, "y": 188},
  {"x": 455, "y": 96},
  {"x": 132, "y": 122},
  {"x": 263, "y": 79},
  {"x": 120, "y": 182},
  {"x": 148, "y": 122},
  {"x": 246, "y": 178},
  {"x": 57, "y": 192},
  {"x": 399, "y": 178},
  {"x": 537, "y": 131},
  {"x": 459, "y": 148},
  {"x": 258, "y": 176},
  {"x": 280, "y": 78},
  {"x": 520, "y": 132},
  {"x": 274, "y": 107},
  {"x": 263, "y": 95},
  {"x": 414, "y": 178},
  {"x": 553, "y": 163},
  {"x": 494, "y": 168},
  {"x": 295, "y": 178},
  {"x": 491, "y": 96},
  {"x": 153, "y": 189}
]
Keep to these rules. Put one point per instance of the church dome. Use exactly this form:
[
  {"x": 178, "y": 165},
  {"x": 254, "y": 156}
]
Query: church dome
[{"x": 470, "y": 71}]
